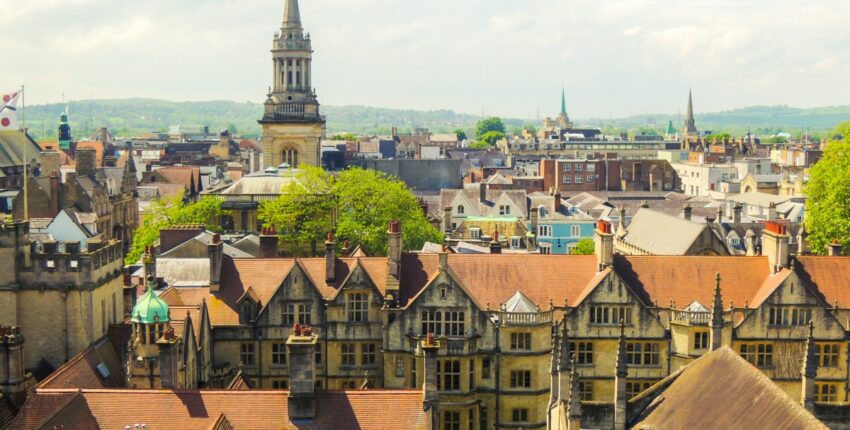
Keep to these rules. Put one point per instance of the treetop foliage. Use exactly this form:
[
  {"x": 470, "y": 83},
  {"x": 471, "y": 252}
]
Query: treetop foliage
[{"x": 828, "y": 192}]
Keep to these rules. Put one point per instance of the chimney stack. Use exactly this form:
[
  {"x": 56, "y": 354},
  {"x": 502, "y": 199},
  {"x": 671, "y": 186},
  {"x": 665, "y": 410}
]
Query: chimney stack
[
  {"x": 535, "y": 220},
  {"x": 447, "y": 219},
  {"x": 556, "y": 203},
  {"x": 603, "y": 239},
  {"x": 268, "y": 242},
  {"x": 431, "y": 401},
  {"x": 301, "y": 349},
  {"x": 771, "y": 212},
  {"x": 86, "y": 159},
  {"x": 169, "y": 357},
  {"x": 687, "y": 211},
  {"x": 482, "y": 191},
  {"x": 13, "y": 377},
  {"x": 775, "y": 245},
  {"x": 444, "y": 256},
  {"x": 835, "y": 249},
  {"x": 330, "y": 259},
  {"x": 346, "y": 248},
  {"x": 495, "y": 245},
  {"x": 215, "y": 250},
  {"x": 54, "y": 193},
  {"x": 737, "y": 210}
]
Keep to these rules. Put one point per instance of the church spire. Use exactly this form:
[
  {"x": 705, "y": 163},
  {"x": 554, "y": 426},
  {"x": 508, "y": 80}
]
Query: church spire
[
  {"x": 563, "y": 102},
  {"x": 690, "y": 124},
  {"x": 291, "y": 15}
]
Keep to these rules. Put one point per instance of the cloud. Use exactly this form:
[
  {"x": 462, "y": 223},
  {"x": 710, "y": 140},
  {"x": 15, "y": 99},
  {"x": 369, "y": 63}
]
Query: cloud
[{"x": 504, "y": 56}]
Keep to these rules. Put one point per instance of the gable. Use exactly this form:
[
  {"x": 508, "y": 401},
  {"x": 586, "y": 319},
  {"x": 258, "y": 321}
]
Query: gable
[{"x": 609, "y": 292}]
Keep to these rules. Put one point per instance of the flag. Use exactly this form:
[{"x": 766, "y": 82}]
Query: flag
[{"x": 8, "y": 112}]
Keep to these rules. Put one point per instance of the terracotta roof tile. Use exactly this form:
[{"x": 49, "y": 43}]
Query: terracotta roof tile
[
  {"x": 81, "y": 370},
  {"x": 684, "y": 279},
  {"x": 830, "y": 276},
  {"x": 183, "y": 175},
  {"x": 193, "y": 409}
]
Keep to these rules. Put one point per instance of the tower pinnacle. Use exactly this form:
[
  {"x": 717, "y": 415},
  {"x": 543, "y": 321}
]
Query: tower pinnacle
[
  {"x": 291, "y": 15},
  {"x": 690, "y": 124},
  {"x": 563, "y": 102}
]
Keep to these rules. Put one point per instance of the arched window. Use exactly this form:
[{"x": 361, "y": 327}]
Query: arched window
[
  {"x": 460, "y": 210},
  {"x": 289, "y": 156}
]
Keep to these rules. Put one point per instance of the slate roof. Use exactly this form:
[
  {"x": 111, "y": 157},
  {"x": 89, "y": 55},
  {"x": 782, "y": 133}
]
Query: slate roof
[
  {"x": 661, "y": 234},
  {"x": 488, "y": 207}
]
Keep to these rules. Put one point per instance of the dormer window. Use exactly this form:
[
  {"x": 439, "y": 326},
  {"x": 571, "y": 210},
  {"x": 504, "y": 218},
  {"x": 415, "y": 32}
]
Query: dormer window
[
  {"x": 461, "y": 210},
  {"x": 247, "y": 313},
  {"x": 475, "y": 233},
  {"x": 504, "y": 210}
]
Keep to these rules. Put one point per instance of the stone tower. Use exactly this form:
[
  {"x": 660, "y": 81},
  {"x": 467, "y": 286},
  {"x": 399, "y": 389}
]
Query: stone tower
[{"x": 292, "y": 125}]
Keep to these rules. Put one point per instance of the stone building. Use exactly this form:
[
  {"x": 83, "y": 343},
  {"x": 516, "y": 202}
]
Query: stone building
[
  {"x": 493, "y": 316},
  {"x": 292, "y": 124},
  {"x": 62, "y": 296}
]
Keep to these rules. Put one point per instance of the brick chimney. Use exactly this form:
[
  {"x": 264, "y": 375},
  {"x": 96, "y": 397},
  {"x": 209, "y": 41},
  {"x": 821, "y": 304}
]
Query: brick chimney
[
  {"x": 169, "y": 359},
  {"x": 775, "y": 245},
  {"x": 835, "y": 249},
  {"x": 394, "y": 247},
  {"x": 535, "y": 220},
  {"x": 268, "y": 243},
  {"x": 431, "y": 401},
  {"x": 54, "y": 193},
  {"x": 603, "y": 239},
  {"x": 50, "y": 162},
  {"x": 301, "y": 349},
  {"x": 556, "y": 201},
  {"x": 12, "y": 373},
  {"x": 216, "y": 254},
  {"x": 86, "y": 159},
  {"x": 447, "y": 219},
  {"x": 330, "y": 259},
  {"x": 495, "y": 245}
]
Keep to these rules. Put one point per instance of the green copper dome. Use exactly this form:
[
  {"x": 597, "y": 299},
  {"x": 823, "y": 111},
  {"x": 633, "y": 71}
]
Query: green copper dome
[{"x": 150, "y": 309}]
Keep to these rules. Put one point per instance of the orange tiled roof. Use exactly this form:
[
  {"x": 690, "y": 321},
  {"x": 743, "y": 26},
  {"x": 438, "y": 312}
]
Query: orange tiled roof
[
  {"x": 81, "y": 370},
  {"x": 684, "y": 279},
  {"x": 266, "y": 409},
  {"x": 830, "y": 276},
  {"x": 183, "y": 175}
]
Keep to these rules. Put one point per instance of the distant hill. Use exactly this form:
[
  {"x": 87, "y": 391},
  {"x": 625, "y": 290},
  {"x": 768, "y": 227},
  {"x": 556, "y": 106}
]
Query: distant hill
[{"x": 126, "y": 117}]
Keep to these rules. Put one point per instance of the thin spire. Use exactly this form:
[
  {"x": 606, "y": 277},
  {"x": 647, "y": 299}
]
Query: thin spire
[
  {"x": 717, "y": 310},
  {"x": 563, "y": 101},
  {"x": 575, "y": 395},
  {"x": 291, "y": 15},
  {"x": 690, "y": 124}
]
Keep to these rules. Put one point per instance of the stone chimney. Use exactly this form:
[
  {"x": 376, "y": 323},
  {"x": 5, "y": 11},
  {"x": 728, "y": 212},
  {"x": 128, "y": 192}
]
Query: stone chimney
[
  {"x": 169, "y": 359},
  {"x": 447, "y": 219},
  {"x": 750, "y": 241},
  {"x": 603, "y": 240},
  {"x": 719, "y": 214},
  {"x": 431, "y": 401},
  {"x": 621, "y": 223},
  {"x": 495, "y": 245},
  {"x": 809, "y": 371},
  {"x": 535, "y": 220},
  {"x": 330, "y": 259},
  {"x": 50, "y": 162},
  {"x": 835, "y": 249},
  {"x": 346, "y": 248},
  {"x": 736, "y": 211},
  {"x": 771, "y": 212},
  {"x": 394, "y": 247},
  {"x": 301, "y": 349},
  {"x": 621, "y": 373},
  {"x": 12, "y": 373},
  {"x": 54, "y": 193},
  {"x": 482, "y": 192},
  {"x": 268, "y": 243},
  {"x": 215, "y": 250},
  {"x": 802, "y": 241},
  {"x": 687, "y": 211},
  {"x": 717, "y": 316},
  {"x": 86, "y": 159},
  {"x": 775, "y": 245},
  {"x": 444, "y": 256}
]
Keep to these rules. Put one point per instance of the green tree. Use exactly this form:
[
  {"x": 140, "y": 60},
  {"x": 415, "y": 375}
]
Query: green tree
[
  {"x": 173, "y": 211},
  {"x": 828, "y": 192},
  {"x": 479, "y": 145},
  {"x": 491, "y": 137},
  {"x": 358, "y": 204},
  {"x": 530, "y": 129},
  {"x": 461, "y": 135},
  {"x": 584, "y": 247},
  {"x": 345, "y": 136},
  {"x": 488, "y": 125},
  {"x": 303, "y": 214}
]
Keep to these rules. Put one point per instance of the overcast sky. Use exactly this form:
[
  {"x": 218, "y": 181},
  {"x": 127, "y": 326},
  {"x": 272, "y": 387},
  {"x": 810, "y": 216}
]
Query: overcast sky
[{"x": 501, "y": 57}]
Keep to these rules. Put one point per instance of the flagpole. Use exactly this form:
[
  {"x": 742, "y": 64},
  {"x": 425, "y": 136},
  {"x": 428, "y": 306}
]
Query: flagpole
[{"x": 26, "y": 162}]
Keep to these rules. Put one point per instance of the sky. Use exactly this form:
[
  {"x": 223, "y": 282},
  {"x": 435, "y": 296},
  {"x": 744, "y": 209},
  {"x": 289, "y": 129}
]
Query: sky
[{"x": 496, "y": 57}]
